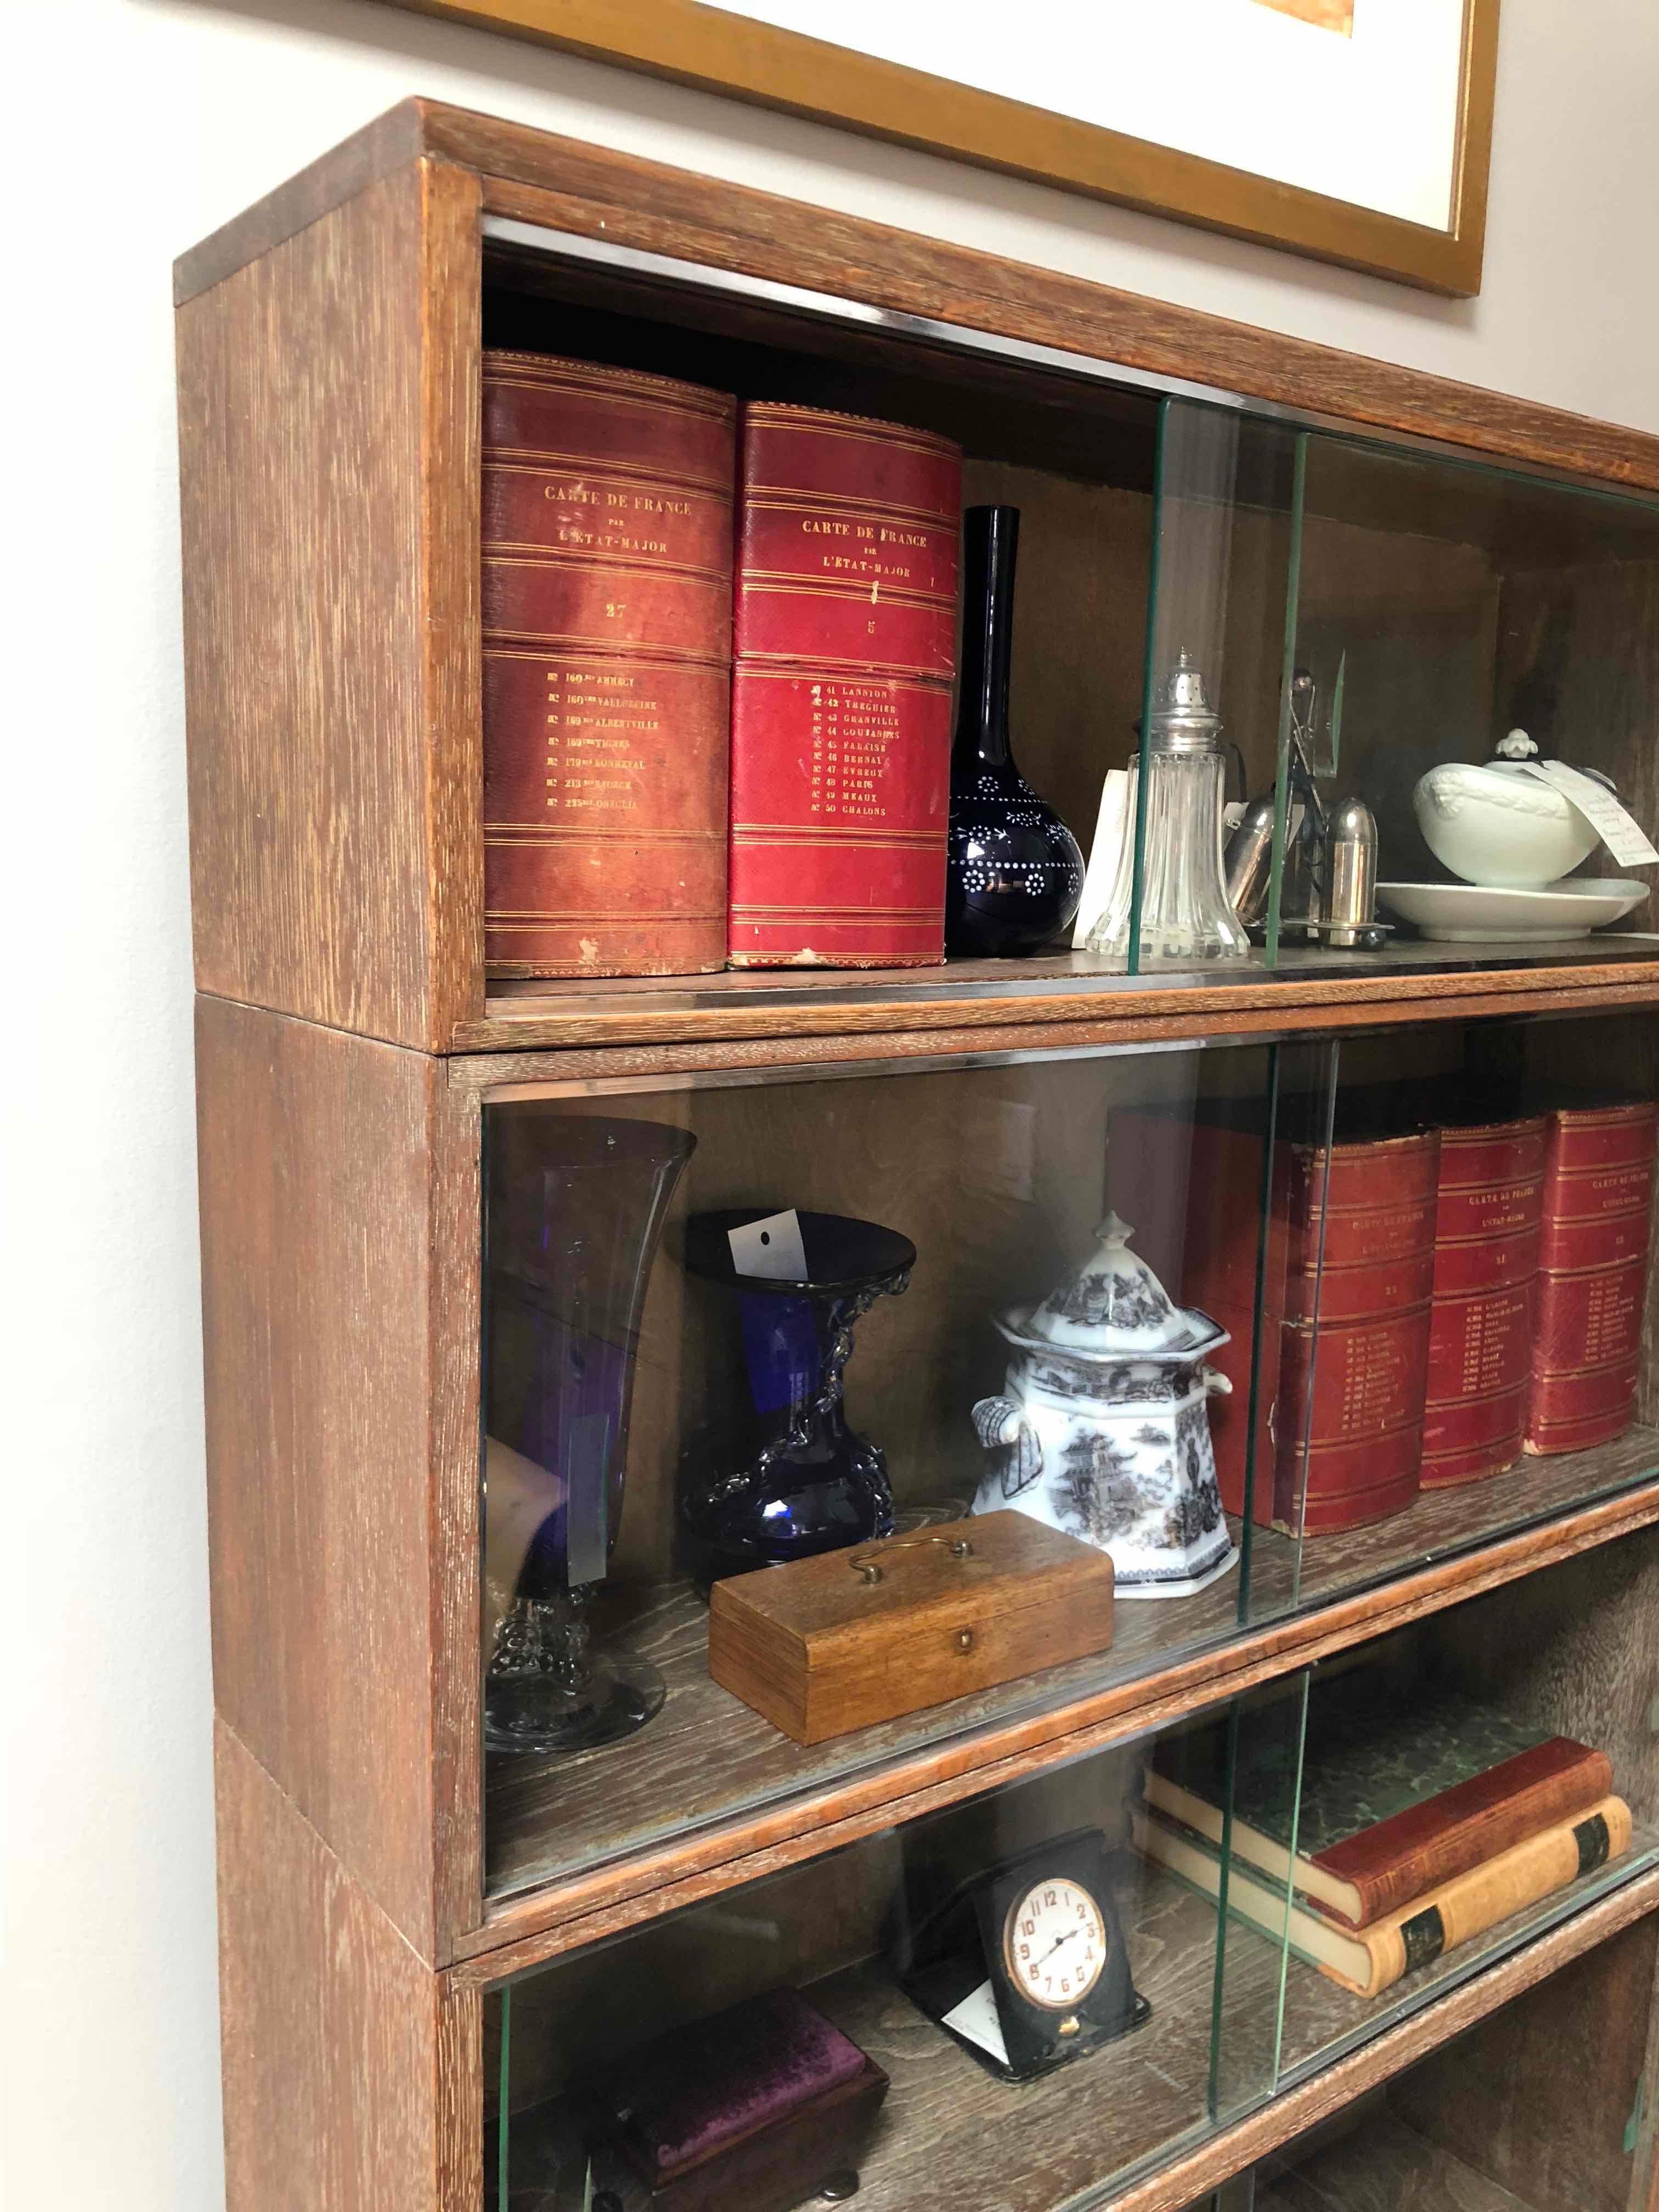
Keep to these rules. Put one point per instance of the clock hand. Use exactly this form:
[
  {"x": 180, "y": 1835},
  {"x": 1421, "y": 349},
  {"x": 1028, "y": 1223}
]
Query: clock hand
[{"x": 1056, "y": 1945}]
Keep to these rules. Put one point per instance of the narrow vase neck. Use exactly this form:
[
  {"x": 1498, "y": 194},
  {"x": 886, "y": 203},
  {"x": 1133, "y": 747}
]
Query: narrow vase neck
[{"x": 990, "y": 541}]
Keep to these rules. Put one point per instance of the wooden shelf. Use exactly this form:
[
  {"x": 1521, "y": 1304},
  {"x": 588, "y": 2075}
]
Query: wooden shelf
[
  {"x": 586, "y": 1844},
  {"x": 1312, "y": 988},
  {"x": 952, "y": 2135}
]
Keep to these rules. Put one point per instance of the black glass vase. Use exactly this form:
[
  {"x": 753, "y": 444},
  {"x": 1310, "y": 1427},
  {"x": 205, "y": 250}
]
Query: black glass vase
[
  {"x": 575, "y": 1210},
  {"x": 1014, "y": 876},
  {"x": 781, "y": 1475}
]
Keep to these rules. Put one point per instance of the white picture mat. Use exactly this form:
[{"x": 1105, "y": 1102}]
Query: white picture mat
[{"x": 1371, "y": 119}]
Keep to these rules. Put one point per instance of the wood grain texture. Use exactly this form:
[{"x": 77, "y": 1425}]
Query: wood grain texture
[
  {"x": 329, "y": 2023},
  {"x": 1383, "y": 2166},
  {"x": 462, "y": 2141},
  {"x": 453, "y": 1510},
  {"x": 820, "y": 1652},
  {"x": 538, "y": 1824},
  {"x": 328, "y": 456},
  {"x": 392, "y": 142},
  {"x": 569, "y": 186},
  {"x": 1538, "y": 2096},
  {"x": 341, "y": 1376},
  {"x": 963, "y": 1006},
  {"x": 596, "y": 192}
]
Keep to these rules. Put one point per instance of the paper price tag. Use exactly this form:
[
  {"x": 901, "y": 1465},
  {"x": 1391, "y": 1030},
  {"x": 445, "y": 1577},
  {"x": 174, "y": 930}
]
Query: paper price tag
[
  {"x": 1615, "y": 825},
  {"x": 976, "y": 2017},
  {"x": 771, "y": 1248}
]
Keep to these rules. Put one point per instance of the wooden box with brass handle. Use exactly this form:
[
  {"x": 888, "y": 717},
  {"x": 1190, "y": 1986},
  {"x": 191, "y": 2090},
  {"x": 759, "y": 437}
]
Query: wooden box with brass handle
[{"x": 848, "y": 1638}]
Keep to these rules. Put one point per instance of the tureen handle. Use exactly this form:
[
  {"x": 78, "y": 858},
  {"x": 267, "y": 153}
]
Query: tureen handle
[
  {"x": 1216, "y": 1384},
  {"x": 999, "y": 1422}
]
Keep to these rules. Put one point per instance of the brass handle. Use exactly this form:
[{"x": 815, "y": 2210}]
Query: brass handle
[{"x": 861, "y": 1564}]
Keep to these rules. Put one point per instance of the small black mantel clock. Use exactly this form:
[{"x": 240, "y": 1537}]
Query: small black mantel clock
[{"x": 1043, "y": 1932}]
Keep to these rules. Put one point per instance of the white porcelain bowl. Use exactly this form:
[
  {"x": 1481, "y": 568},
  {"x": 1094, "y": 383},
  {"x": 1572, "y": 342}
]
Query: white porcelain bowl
[{"x": 1498, "y": 828}]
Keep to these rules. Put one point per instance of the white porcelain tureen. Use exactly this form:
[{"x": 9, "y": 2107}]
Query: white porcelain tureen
[{"x": 1102, "y": 1428}]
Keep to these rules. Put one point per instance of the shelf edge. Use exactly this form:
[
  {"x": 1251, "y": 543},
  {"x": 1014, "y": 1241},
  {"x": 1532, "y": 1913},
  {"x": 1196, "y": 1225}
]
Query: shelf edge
[
  {"x": 490, "y": 1053},
  {"x": 543, "y": 1923}
]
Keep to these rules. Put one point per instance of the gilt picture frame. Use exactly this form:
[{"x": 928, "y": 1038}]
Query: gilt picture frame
[{"x": 1356, "y": 131}]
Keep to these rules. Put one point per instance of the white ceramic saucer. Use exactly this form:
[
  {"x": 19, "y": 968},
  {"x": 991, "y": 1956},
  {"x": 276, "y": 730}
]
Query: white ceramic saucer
[{"x": 1467, "y": 914}]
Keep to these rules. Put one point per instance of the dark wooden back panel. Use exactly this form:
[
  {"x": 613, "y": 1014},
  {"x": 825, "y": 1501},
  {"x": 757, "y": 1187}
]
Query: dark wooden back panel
[
  {"x": 340, "y": 1328},
  {"x": 328, "y": 434},
  {"x": 1540, "y": 2096}
]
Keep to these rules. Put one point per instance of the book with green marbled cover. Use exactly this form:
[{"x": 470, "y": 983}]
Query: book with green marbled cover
[{"x": 1396, "y": 1794}]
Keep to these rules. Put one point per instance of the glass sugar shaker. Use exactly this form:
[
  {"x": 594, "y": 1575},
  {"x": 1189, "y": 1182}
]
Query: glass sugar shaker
[{"x": 1185, "y": 913}]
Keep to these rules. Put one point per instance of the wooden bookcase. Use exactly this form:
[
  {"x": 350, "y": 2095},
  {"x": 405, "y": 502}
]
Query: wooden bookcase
[{"x": 348, "y": 1045}]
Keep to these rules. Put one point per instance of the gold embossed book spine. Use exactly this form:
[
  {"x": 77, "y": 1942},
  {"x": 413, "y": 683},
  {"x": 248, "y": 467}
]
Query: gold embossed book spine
[
  {"x": 1593, "y": 1275},
  {"x": 845, "y": 629},
  {"x": 607, "y": 605},
  {"x": 1355, "y": 1351}
]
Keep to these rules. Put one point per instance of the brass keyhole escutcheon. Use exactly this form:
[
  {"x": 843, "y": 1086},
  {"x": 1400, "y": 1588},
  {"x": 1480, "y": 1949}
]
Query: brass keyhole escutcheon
[{"x": 964, "y": 1639}]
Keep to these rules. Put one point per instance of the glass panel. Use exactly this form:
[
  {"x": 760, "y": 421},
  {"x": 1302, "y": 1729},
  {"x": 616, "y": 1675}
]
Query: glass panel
[
  {"x": 1220, "y": 619},
  {"x": 1200, "y": 1889},
  {"x": 1443, "y": 607},
  {"x": 1370, "y": 624},
  {"x": 1456, "y": 1283},
  {"x": 1205, "y": 1780},
  {"x": 1007, "y": 2002},
  {"x": 953, "y": 1330}
]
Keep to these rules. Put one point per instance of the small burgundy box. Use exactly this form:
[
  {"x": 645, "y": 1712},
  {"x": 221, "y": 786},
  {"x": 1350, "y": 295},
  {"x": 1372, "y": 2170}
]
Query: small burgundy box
[{"x": 757, "y": 2107}]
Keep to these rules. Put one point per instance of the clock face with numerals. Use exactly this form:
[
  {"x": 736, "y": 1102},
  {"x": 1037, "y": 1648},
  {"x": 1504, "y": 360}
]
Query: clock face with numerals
[{"x": 1054, "y": 1944}]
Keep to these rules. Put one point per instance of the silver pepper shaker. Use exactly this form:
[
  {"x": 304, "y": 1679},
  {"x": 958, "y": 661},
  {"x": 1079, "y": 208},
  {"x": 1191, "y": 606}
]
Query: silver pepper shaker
[
  {"x": 1351, "y": 872},
  {"x": 1249, "y": 860}
]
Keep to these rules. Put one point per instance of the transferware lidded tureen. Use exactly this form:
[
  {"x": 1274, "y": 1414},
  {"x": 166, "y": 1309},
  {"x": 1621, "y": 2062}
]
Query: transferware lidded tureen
[{"x": 1102, "y": 1428}]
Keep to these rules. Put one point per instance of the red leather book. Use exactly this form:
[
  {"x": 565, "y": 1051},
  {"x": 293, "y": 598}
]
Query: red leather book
[
  {"x": 1358, "y": 1289},
  {"x": 1397, "y": 1794},
  {"x": 844, "y": 644},
  {"x": 607, "y": 598},
  {"x": 1592, "y": 1278},
  {"x": 1488, "y": 1215},
  {"x": 1189, "y": 1178}
]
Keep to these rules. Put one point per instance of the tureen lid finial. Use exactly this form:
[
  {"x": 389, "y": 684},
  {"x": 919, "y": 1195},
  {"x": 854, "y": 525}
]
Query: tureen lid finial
[{"x": 1113, "y": 1307}]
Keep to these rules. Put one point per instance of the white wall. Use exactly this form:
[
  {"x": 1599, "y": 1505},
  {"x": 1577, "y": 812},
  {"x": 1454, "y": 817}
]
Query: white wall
[{"x": 132, "y": 128}]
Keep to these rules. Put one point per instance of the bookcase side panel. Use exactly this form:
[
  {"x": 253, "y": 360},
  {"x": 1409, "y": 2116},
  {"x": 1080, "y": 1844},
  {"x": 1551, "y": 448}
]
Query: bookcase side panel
[
  {"x": 319, "y": 1345},
  {"x": 453, "y": 1505},
  {"x": 330, "y": 565},
  {"x": 329, "y": 2025}
]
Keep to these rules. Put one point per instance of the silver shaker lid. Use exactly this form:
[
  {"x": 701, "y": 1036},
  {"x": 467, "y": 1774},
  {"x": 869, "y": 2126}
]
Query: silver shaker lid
[{"x": 1183, "y": 720}]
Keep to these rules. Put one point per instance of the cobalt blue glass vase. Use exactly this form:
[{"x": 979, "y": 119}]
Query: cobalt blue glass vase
[{"x": 781, "y": 1475}]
